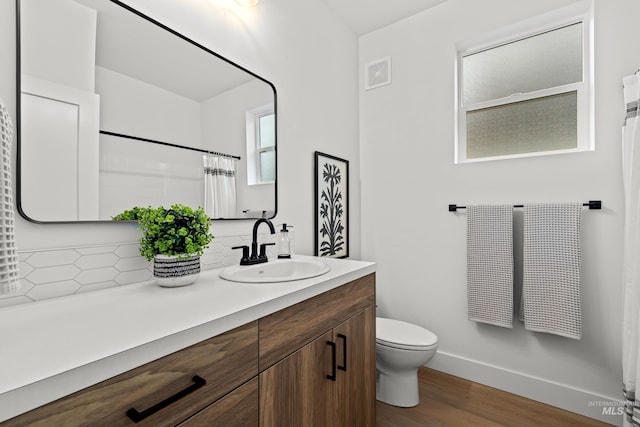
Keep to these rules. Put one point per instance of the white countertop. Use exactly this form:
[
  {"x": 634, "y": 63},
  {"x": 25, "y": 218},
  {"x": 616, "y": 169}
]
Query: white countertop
[{"x": 55, "y": 347}]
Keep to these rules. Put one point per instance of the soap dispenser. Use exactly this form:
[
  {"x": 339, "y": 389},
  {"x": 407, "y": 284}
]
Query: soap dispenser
[{"x": 284, "y": 242}]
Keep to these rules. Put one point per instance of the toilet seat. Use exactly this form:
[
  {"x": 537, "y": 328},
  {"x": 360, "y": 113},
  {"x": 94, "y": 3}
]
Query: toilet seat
[{"x": 402, "y": 335}]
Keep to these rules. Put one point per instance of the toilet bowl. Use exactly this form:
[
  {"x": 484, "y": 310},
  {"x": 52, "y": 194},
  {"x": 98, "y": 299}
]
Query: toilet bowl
[{"x": 401, "y": 348}]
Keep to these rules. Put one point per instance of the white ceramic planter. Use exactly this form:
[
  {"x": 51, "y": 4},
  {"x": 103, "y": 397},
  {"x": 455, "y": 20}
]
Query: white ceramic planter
[{"x": 170, "y": 271}]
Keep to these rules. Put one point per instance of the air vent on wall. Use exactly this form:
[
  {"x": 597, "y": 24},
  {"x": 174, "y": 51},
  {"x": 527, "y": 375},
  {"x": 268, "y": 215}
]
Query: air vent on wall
[{"x": 377, "y": 73}]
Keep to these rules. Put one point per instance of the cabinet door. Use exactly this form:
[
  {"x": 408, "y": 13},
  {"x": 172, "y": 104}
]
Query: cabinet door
[
  {"x": 356, "y": 359},
  {"x": 296, "y": 391}
]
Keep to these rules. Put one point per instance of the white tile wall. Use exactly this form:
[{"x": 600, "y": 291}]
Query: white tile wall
[{"x": 53, "y": 273}]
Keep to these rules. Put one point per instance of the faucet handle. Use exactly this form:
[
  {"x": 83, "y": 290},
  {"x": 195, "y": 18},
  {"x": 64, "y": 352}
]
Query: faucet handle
[
  {"x": 245, "y": 254},
  {"x": 263, "y": 249}
]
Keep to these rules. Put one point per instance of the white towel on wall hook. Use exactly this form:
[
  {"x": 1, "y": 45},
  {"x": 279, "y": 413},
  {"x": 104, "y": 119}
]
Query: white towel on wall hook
[{"x": 9, "y": 280}]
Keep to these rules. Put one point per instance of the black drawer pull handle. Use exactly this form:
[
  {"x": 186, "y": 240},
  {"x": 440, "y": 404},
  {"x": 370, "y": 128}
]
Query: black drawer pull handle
[
  {"x": 136, "y": 416},
  {"x": 343, "y": 367},
  {"x": 332, "y": 376}
]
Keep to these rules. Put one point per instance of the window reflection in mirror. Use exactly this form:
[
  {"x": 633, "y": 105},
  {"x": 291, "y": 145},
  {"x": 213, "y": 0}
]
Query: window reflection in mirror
[{"x": 266, "y": 148}]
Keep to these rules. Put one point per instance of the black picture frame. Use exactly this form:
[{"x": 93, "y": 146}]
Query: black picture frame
[{"x": 331, "y": 221}]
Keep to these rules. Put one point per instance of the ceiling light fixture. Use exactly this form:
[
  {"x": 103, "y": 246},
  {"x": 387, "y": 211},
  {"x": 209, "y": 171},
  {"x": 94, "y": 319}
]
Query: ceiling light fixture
[{"x": 247, "y": 3}]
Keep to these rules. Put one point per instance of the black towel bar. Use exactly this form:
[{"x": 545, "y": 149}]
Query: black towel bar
[{"x": 592, "y": 204}]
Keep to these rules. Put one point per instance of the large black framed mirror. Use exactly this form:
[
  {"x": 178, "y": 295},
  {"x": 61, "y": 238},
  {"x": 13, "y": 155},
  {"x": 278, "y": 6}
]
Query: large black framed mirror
[{"x": 117, "y": 110}]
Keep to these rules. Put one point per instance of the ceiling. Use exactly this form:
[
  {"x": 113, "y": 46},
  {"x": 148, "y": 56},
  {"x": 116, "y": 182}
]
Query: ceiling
[
  {"x": 364, "y": 16},
  {"x": 135, "y": 48},
  {"x": 118, "y": 29}
]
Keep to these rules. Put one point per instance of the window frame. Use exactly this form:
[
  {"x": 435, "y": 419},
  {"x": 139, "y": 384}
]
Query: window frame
[
  {"x": 581, "y": 12},
  {"x": 259, "y": 149},
  {"x": 252, "y": 119}
]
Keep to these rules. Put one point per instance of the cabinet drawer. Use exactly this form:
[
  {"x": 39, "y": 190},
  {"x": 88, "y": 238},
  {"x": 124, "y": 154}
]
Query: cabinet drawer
[
  {"x": 224, "y": 362},
  {"x": 237, "y": 409},
  {"x": 287, "y": 330}
]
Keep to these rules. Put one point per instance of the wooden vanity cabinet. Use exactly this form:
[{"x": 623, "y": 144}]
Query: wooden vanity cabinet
[
  {"x": 317, "y": 360},
  {"x": 311, "y": 364}
]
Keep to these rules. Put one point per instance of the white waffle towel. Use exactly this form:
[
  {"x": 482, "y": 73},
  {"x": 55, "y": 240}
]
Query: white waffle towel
[
  {"x": 551, "y": 282},
  {"x": 9, "y": 280},
  {"x": 490, "y": 264}
]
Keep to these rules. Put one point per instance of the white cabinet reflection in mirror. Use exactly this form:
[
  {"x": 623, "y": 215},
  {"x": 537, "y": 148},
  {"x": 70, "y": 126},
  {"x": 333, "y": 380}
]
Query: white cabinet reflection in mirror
[{"x": 86, "y": 81}]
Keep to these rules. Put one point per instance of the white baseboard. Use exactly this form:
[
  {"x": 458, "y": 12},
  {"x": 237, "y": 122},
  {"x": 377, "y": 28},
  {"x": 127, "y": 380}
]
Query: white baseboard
[{"x": 603, "y": 408}]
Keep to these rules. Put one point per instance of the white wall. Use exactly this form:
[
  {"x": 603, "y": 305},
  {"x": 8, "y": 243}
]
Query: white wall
[
  {"x": 136, "y": 173},
  {"x": 61, "y": 54},
  {"x": 128, "y": 106},
  {"x": 408, "y": 176},
  {"x": 302, "y": 49}
]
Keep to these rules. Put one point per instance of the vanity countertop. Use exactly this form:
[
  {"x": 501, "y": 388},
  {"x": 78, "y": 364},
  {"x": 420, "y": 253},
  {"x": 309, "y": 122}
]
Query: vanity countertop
[{"x": 55, "y": 347}]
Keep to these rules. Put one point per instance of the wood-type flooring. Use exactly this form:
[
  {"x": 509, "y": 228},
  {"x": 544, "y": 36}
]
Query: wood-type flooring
[{"x": 449, "y": 401}]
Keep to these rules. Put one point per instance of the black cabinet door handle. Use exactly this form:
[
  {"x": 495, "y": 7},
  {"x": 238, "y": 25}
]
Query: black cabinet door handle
[
  {"x": 136, "y": 416},
  {"x": 343, "y": 367},
  {"x": 332, "y": 376}
]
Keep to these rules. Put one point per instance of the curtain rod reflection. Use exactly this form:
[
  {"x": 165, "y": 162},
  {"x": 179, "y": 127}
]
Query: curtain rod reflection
[{"x": 104, "y": 132}]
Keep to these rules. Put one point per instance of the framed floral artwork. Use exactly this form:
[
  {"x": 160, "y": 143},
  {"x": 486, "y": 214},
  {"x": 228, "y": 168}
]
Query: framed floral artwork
[{"x": 331, "y": 206}]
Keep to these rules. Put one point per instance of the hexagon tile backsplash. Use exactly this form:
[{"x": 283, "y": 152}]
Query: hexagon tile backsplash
[{"x": 53, "y": 273}]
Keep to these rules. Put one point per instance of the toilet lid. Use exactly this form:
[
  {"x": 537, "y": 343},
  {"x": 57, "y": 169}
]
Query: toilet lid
[{"x": 399, "y": 334}]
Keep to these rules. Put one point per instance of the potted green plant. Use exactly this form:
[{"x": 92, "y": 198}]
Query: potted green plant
[{"x": 174, "y": 238}]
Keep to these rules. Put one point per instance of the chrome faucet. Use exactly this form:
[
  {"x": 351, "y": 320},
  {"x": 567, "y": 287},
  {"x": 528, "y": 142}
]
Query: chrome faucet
[{"x": 255, "y": 257}]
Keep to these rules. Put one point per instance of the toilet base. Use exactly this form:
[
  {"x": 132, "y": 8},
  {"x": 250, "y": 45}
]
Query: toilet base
[{"x": 399, "y": 389}]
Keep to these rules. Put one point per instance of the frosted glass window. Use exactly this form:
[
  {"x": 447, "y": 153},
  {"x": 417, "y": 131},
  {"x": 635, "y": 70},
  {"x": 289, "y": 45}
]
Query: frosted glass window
[
  {"x": 266, "y": 131},
  {"x": 261, "y": 145},
  {"x": 268, "y": 166},
  {"x": 538, "y": 62},
  {"x": 541, "y": 124},
  {"x": 528, "y": 95},
  {"x": 267, "y": 126}
]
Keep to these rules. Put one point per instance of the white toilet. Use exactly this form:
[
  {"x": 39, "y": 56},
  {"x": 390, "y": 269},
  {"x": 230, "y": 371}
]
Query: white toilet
[{"x": 401, "y": 348}]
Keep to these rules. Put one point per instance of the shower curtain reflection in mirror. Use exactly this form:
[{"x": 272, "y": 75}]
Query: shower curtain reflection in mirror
[{"x": 219, "y": 186}]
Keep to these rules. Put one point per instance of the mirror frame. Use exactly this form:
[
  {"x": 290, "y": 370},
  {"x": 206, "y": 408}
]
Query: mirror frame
[{"x": 171, "y": 31}]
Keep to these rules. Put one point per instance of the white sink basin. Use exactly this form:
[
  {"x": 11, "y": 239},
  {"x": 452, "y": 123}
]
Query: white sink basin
[{"x": 281, "y": 270}]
